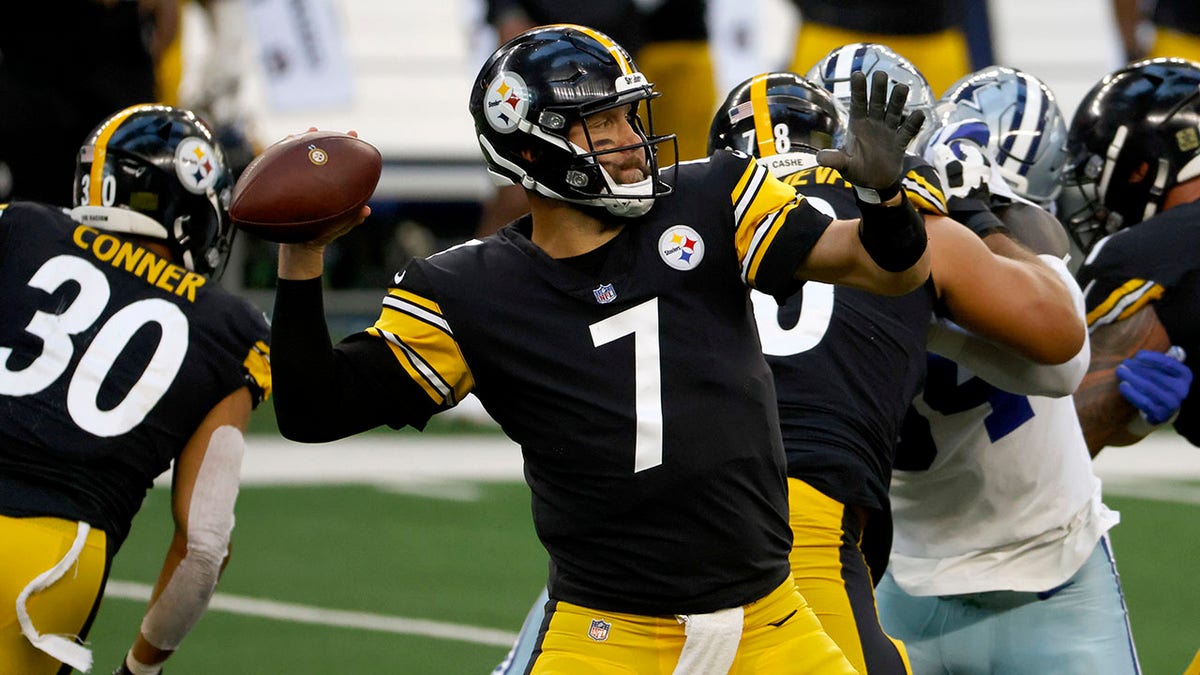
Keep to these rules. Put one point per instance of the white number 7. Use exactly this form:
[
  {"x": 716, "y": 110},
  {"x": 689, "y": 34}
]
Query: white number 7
[{"x": 642, "y": 323}]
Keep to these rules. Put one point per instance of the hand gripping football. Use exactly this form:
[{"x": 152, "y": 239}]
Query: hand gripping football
[{"x": 301, "y": 187}]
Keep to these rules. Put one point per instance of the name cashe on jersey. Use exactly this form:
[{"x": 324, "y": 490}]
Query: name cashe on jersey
[{"x": 155, "y": 270}]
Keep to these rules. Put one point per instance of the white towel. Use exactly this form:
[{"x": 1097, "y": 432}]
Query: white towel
[
  {"x": 62, "y": 647},
  {"x": 712, "y": 641}
]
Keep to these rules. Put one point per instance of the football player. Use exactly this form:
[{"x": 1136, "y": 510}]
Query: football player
[
  {"x": 1131, "y": 201},
  {"x": 868, "y": 353},
  {"x": 609, "y": 333},
  {"x": 120, "y": 356},
  {"x": 1001, "y": 562},
  {"x": 846, "y": 363}
]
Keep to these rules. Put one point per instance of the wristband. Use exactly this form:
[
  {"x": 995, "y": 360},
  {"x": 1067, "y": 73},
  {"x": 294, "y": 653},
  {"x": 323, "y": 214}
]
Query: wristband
[
  {"x": 894, "y": 236},
  {"x": 868, "y": 195}
]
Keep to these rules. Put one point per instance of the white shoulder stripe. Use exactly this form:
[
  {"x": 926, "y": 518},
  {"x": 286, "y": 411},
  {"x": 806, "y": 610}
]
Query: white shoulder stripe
[
  {"x": 431, "y": 376},
  {"x": 416, "y": 311},
  {"x": 748, "y": 195}
]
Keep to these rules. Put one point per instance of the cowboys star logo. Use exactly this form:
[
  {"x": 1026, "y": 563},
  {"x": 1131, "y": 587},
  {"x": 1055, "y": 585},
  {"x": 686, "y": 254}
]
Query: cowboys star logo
[
  {"x": 196, "y": 165},
  {"x": 506, "y": 102}
]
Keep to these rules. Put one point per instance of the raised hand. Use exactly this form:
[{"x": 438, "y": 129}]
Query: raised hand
[{"x": 873, "y": 154}]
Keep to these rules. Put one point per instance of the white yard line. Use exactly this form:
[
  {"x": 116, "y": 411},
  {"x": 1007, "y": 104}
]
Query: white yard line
[{"x": 320, "y": 616}]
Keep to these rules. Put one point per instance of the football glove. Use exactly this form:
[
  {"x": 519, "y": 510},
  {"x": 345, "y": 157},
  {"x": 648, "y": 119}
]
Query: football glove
[
  {"x": 872, "y": 158},
  {"x": 1155, "y": 383}
]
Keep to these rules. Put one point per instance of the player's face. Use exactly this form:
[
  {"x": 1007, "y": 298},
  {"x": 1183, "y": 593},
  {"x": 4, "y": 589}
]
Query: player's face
[{"x": 613, "y": 129}]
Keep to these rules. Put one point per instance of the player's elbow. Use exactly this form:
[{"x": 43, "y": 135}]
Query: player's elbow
[{"x": 1060, "y": 333}]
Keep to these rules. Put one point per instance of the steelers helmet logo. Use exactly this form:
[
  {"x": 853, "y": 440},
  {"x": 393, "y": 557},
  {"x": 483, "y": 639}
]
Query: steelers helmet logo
[
  {"x": 506, "y": 103},
  {"x": 196, "y": 165},
  {"x": 681, "y": 247}
]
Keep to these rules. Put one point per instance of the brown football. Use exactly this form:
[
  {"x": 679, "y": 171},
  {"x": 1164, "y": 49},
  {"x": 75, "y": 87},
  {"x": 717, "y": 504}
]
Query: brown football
[{"x": 300, "y": 187}]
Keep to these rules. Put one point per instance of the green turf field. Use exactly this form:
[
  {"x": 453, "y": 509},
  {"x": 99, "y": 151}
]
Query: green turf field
[{"x": 397, "y": 559}]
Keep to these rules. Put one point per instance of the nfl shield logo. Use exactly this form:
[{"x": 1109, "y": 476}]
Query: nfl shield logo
[
  {"x": 605, "y": 294},
  {"x": 599, "y": 630}
]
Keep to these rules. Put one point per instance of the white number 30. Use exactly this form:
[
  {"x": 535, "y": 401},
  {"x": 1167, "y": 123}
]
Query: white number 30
[{"x": 56, "y": 330}]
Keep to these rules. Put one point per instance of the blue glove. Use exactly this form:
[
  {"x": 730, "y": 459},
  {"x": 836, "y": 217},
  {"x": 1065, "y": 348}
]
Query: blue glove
[{"x": 1155, "y": 383}]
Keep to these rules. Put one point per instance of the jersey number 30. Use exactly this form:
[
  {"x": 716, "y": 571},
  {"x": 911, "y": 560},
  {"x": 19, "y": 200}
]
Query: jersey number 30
[{"x": 55, "y": 331}]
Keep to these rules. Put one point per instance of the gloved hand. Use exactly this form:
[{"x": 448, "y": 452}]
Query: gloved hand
[
  {"x": 1155, "y": 383},
  {"x": 873, "y": 154}
]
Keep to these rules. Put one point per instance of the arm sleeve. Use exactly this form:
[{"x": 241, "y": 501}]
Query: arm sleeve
[
  {"x": 1005, "y": 369},
  {"x": 323, "y": 393}
]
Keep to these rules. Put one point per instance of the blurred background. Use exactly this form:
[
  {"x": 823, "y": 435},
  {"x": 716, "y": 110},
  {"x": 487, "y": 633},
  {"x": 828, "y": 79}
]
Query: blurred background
[
  {"x": 399, "y": 72},
  {"x": 414, "y": 553}
]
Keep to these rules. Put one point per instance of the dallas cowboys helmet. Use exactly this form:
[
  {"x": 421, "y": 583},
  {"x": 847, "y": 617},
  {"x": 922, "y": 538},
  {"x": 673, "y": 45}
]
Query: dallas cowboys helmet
[
  {"x": 833, "y": 73},
  {"x": 1027, "y": 132}
]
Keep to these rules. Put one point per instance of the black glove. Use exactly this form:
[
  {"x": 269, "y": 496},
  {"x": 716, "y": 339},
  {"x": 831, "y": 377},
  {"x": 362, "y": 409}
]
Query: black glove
[{"x": 873, "y": 155}]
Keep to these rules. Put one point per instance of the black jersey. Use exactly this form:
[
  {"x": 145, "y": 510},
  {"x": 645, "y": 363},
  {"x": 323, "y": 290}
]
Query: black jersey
[
  {"x": 638, "y": 393},
  {"x": 846, "y": 362},
  {"x": 1154, "y": 262},
  {"x": 110, "y": 356}
]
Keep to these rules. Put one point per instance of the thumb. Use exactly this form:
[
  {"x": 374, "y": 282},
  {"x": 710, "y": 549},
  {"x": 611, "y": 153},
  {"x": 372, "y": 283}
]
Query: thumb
[{"x": 833, "y": 158}]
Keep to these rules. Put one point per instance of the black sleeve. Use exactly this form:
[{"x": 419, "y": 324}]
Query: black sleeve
[{"x": 323, "y": 393}]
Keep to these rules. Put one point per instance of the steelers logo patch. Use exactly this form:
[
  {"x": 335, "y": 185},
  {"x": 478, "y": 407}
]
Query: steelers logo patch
[
  {"x": 196, "y": 165},
  {"x": 317, "y": 156},
  {"x": 681, "y": 247},
  {"x": 506, "y": 102}
]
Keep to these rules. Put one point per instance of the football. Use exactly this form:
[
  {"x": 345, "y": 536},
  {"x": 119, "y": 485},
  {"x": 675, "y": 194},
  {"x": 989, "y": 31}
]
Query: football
[{"x": 300, "y": 187}]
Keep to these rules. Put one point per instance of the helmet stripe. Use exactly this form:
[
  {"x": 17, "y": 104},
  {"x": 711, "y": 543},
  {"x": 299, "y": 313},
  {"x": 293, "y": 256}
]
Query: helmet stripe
[
  {"x": 100, "y": 151},
  {"x": 617, "y": 52},
  {"x": 763, "y": 134}
]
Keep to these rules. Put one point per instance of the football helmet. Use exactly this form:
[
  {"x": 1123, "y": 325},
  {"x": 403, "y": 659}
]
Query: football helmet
[
  {"x": 1027, "y": 134},
  {"x": 780, "y": 118},
  {"x": 833, "y": 73},
  {"x": 157, "y": 171},
  {"x": 1134, "y": 137},
  {"x": 530, "y": 93}
]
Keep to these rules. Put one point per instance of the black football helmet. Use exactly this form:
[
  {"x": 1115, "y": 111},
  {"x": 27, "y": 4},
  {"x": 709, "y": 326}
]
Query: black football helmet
[
  {"x": 780, "y": 118},
  {"x": 1134, "y": 137},
  {"x": 157, "y": 171},
  {"x": 534, "y": 88}
]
